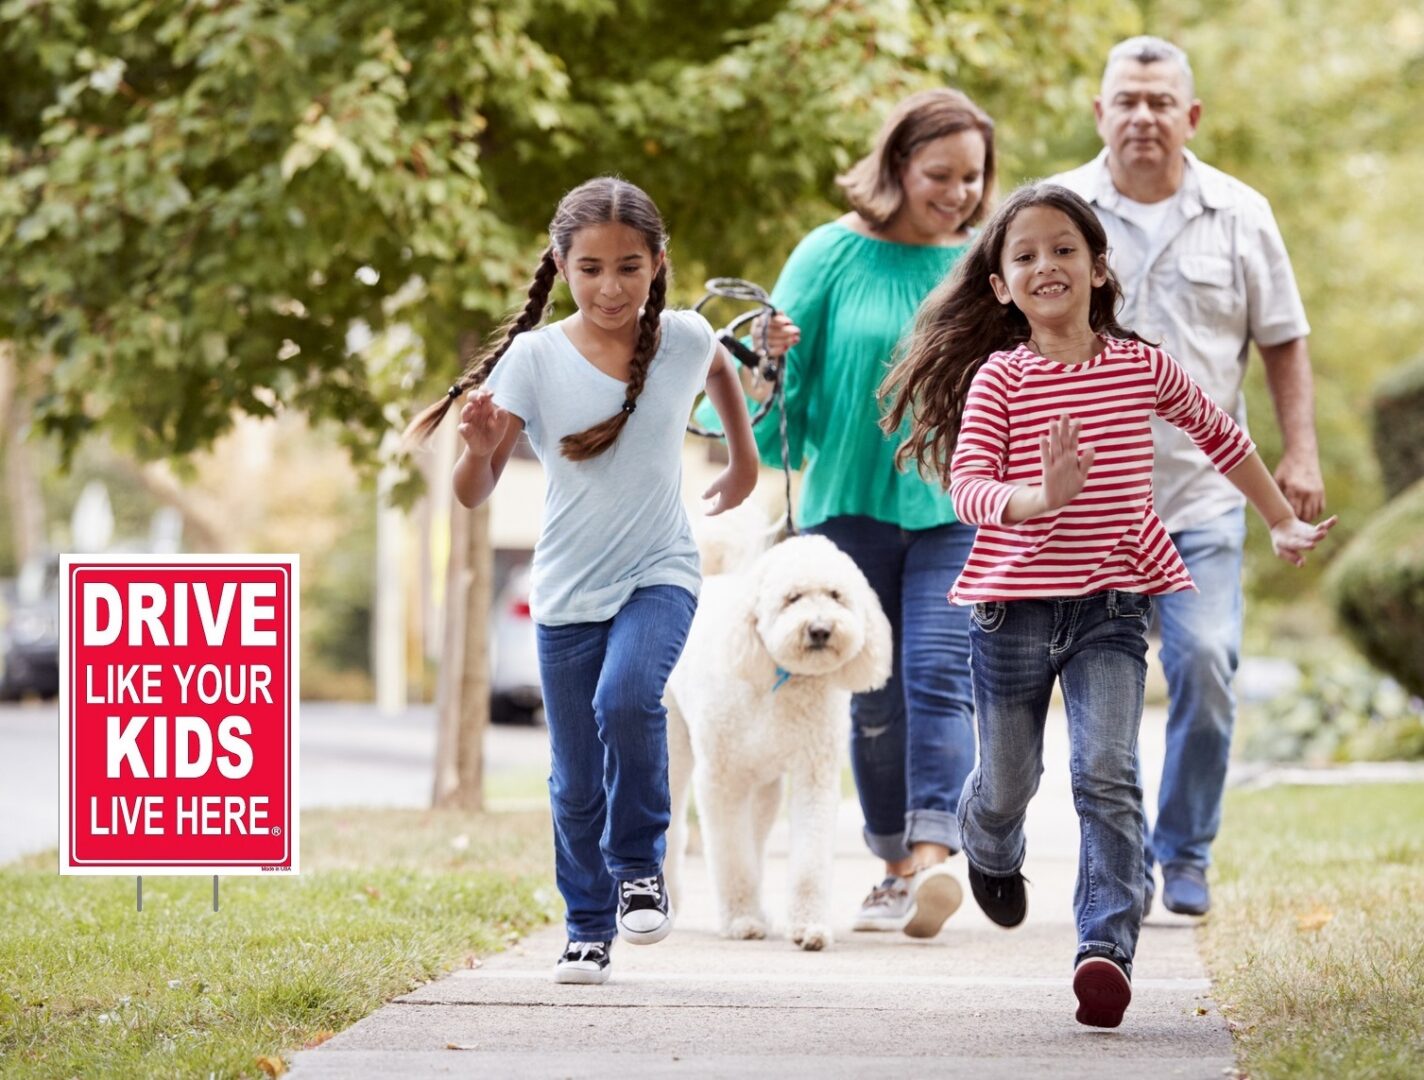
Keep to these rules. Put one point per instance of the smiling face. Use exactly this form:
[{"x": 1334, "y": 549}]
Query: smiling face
[
  {"x": 1146, "y": 114},
  {"x": 943, "y": 183},
  {"x": 610, "y": 272},
  {"x": 1047, "y": 270}
]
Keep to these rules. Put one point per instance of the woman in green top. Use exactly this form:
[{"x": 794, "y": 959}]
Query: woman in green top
[{"x": 848, "y": 291}]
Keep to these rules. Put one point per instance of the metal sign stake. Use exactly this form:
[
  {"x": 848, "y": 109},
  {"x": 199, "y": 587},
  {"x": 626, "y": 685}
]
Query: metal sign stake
[
  {"x": 140, "y": 893},
  {"x": 215, "y": 892}
]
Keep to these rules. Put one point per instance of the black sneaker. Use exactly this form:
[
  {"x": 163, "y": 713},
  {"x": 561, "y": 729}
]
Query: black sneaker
[
  {"x": 1001, "y": 898},
  {"x": 1103, "y": 989},
  {"x": 583, "y": 962},
  {"x": 643, "y": 914}
]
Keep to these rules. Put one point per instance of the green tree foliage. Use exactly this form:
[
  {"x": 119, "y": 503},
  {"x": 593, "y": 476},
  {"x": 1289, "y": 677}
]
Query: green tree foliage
[
  {"x": 199, "y": 199},
  {"x": 190, "y": 191}
]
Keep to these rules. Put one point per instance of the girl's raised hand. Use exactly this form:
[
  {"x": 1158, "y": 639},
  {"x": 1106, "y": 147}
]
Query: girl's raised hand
[
  {"x": 1065, "y": 471},
  {"x": 1292, "y": 537},
  {"x": 482, "y": 423}
]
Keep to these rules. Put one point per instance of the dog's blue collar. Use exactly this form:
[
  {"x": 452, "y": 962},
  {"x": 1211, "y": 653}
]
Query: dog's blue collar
[{"x": 781, "y": 676}]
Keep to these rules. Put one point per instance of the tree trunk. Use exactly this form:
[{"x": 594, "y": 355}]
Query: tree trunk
[
  {"x": 464, "y": 688},
  {"x": 388, "y": 630},
  {"x": 22, "y": 486}
]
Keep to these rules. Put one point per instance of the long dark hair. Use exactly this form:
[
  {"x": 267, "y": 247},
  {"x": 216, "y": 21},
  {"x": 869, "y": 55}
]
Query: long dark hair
[
  {"x": 602, "y": 201},
  {"x": 962, "y": 323},
  {"x": 873, "y": 185}
]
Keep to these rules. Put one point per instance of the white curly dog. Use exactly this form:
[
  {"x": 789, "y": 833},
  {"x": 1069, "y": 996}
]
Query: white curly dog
[{"x": 762, "y": 692}]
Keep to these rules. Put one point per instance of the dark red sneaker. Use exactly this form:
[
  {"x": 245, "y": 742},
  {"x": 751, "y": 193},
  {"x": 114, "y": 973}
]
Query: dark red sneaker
[{"x": 1103, "y": 991}]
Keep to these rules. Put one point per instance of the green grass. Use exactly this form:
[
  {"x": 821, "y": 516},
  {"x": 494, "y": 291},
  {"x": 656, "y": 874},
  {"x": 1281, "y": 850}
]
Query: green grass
[
  {"x": 386, "y": 900},
  {"x": 1316, "y": 937}
]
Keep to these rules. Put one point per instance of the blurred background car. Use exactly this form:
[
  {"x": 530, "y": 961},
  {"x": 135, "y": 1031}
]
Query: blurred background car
[
  {"x": 515, "y": 696},
  {"x": 29, "y": 630}
]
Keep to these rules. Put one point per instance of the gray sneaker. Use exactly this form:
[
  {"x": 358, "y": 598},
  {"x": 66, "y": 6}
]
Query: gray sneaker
[
  {"x": 935, "y": 896},
  {"x": 886, "y": 907}
]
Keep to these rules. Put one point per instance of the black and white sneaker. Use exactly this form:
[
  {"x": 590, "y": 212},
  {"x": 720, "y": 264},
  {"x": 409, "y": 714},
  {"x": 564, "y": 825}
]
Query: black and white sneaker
[
  {"x": 583, "y": 962},
  {"x": 644, "y": 917}
]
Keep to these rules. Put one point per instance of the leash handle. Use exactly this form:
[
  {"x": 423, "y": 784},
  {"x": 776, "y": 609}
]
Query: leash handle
[{"x": 760, "y": 360}]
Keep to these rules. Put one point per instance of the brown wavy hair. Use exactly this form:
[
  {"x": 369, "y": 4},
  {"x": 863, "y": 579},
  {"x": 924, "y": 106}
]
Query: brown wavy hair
[
  {"x": 962, "y": 323},
  {"x": 873, "y": 186},
  {"x": 602, "y": 201}
]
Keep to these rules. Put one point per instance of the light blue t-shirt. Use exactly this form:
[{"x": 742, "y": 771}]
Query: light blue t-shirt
[{"x": 613, "y": 523}]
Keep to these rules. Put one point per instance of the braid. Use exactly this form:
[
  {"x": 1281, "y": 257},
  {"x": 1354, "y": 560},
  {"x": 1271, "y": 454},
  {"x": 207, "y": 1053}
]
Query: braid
[
  {"x": 597, "y": 439},
  {"x": 479, "y": 365}
]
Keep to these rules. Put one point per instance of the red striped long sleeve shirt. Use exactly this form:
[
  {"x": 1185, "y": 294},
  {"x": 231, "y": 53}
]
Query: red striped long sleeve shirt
[{"x": 1108, "y": 536}]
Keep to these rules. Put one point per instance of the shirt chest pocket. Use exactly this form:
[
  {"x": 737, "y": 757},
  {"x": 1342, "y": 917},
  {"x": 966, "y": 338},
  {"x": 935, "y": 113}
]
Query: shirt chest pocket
[{"x": 1208, "y": 282}]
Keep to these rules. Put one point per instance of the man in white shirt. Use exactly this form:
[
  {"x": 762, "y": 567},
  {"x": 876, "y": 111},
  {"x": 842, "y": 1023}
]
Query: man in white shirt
[{"x": 1205, "y": 272}]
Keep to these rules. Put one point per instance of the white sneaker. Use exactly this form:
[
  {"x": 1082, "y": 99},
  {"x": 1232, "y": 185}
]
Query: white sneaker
[
  {"x": 583, "y": 962},
  {"x": 935, "y": 895},
  {"x": 886, "y": 907}
]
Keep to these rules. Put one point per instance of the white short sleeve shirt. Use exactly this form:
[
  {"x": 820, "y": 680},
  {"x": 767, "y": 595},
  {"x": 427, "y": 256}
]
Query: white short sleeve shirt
[{"x": 613, "y": 523}]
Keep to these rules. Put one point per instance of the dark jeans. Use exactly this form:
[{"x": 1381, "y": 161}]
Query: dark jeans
[
  {"x": 1096, "y": 648},
  {"x": 608, "y": 781},
  {"x": 912, "y": 741}
]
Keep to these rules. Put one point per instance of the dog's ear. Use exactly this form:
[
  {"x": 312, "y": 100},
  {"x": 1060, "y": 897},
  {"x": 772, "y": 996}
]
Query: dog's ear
[
  {"x": 747, "y": 651},
  {"x": 869, "y": 669}
]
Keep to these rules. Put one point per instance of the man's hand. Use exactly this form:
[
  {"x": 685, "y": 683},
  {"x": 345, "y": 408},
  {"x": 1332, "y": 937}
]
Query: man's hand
[{"x": 1298, "y": 477}]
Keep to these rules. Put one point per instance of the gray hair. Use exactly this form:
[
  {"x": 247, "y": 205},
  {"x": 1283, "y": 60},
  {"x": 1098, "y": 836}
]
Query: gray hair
[{"x": 1151, "y": 50}]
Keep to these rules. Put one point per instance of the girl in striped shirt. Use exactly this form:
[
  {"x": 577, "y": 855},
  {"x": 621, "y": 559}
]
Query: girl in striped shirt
[{"x": 1033, "y": 406}]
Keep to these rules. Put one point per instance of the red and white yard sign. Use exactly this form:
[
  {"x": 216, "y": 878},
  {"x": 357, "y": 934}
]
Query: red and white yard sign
[{"x": 178, "y": 714}]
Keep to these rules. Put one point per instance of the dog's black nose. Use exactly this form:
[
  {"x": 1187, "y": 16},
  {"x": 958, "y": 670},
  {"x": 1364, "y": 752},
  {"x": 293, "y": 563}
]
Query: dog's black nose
[{"x": 818, "y": 634}]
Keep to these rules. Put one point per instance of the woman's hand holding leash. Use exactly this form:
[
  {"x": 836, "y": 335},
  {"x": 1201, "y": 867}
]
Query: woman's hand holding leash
[{"x": 781, "y": 335}]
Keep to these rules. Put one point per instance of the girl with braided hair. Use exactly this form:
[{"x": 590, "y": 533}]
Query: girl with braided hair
[{"x": 604, "y": 397}]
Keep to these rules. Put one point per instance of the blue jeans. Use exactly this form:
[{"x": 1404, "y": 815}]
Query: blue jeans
[
  {"x": 1201, "y": 646},
  {"x": 912, "y": 741},
  {"x": 608, "y": 782},
  {"x": 1096, "y": 647}
]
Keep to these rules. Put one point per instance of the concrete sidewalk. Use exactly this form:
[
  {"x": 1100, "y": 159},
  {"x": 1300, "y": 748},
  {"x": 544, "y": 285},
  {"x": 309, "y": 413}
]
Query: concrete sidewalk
[{"x": 977, "y": 1001}]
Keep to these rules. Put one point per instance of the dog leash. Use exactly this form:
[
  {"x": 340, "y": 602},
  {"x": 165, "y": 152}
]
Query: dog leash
[{"x": 760, "y": 360}]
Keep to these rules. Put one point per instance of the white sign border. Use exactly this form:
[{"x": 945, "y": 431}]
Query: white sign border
[{"x": 292, "y": 563}]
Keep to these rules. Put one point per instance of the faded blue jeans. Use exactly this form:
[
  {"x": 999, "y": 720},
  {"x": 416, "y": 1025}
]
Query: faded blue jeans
[
  {"x": 608, "y": 781},
  {"x": 1096, "y": 648},
  {"x": 912, "y": 741},
  {"x": 1201, "y": 646}
]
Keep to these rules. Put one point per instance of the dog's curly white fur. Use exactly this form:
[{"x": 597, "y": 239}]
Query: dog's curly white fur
[{"x": 736, "y": 725}]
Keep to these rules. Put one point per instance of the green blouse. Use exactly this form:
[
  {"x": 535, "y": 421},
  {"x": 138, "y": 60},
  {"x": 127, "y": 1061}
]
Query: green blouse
[{"x": 853, "y": 296}]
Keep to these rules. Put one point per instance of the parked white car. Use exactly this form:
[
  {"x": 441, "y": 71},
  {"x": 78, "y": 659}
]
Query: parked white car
[{"x": 515, "y": 695}]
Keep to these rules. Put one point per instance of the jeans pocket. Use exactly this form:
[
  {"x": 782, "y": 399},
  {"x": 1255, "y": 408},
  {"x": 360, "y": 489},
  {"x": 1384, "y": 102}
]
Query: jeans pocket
[
  {"x": 1131, "y": 605},
  {"x": 989, "y": 615}
]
